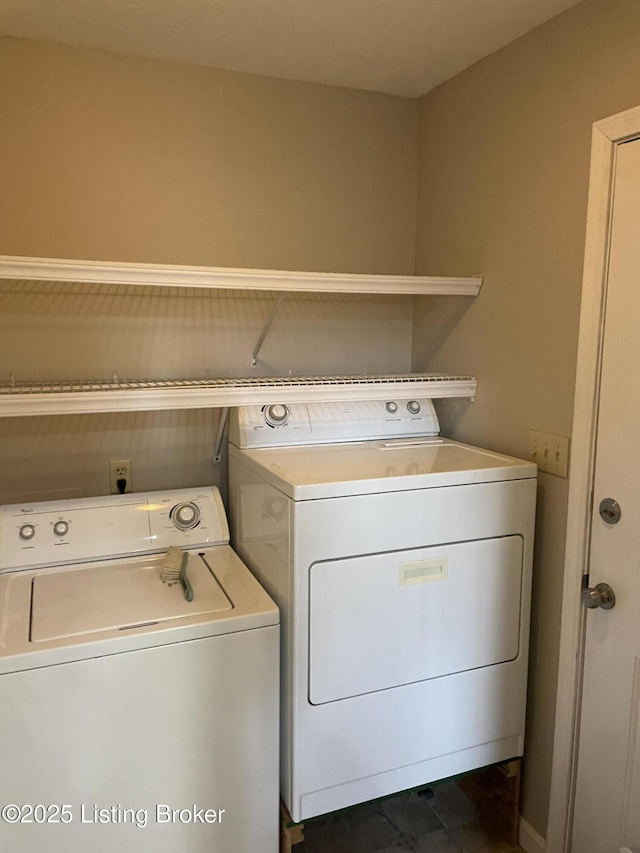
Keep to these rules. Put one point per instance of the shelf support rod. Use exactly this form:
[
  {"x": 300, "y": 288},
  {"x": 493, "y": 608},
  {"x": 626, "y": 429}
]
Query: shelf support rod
[
  {"x": 265, "y": 331},
  {"x": 217, "y": 455}
]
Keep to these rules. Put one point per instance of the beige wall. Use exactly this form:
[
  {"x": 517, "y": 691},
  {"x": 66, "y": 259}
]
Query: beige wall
[
  {"x": 110, "y": 157},
  {"x": 70, "y": 331},
  {"x": 503, "y": 185}
]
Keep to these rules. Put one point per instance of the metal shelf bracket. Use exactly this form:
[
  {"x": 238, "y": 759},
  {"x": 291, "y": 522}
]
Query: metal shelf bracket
[
  {"x": 265, "y": 331},
  {"x": 217, "y": 454}
]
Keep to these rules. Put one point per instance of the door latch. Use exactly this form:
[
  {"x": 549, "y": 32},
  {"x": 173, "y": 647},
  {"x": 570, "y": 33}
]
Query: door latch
[{"x": 610, "y": 511}]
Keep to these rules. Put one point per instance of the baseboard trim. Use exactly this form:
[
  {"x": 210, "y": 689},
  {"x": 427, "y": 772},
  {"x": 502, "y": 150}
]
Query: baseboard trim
[{"x": 529, "y": 839}]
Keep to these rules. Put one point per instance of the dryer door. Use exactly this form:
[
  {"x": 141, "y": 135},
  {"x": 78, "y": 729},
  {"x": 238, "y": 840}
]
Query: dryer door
[{"x": 383, "y": 620}]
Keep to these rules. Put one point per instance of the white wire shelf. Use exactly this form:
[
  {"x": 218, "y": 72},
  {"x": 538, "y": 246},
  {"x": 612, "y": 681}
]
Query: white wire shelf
[
  {"x": 159, "y": 275},
  {"x": 76, "y": 397}
]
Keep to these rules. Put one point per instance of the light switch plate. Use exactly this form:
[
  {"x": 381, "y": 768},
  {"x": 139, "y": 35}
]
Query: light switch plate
[{"x": 549, "y": 452}]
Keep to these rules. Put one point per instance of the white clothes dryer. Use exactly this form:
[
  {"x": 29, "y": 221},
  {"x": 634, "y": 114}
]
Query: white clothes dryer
[
  {"x": 401, "y": 562},
  {"x": 132, "y": 718}
]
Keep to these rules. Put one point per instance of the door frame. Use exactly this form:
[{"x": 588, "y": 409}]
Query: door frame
[{"x": 607, "y": 135}]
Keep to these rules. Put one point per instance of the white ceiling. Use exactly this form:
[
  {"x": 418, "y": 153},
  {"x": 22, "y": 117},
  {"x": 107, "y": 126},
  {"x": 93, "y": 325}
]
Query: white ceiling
[{"x": 403, "y": 47}]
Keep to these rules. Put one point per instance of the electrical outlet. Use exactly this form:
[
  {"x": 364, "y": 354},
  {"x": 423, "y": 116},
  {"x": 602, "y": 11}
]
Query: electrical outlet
[
  {"x": 119, "y": 469},
  {"x": 549, "y": 452}
]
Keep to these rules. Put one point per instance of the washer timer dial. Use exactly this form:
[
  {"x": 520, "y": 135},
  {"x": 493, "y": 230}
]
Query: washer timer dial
[{"x": 185, "y": 516}]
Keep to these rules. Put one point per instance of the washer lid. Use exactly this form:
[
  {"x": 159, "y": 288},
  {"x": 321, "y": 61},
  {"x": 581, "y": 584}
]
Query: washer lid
[
  {"x": 372, "y": 467},
  {"x": 117, "y": 598}
]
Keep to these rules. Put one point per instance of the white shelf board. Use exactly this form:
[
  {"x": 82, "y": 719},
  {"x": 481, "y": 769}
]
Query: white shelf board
[
  {"x": 59, "y": 398},
  {"x": 58, "y": 270}
]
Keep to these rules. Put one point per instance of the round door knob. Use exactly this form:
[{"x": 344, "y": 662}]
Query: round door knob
[
  {"x": 392, "y": 407},
  {"x": 27, "y": 531},
  {"x": 61, "y": 528},
  {"x": 185, "y": 516},
  {"x": 413, "y": 406},
  {"x": 276, "y": 414},
  {"x": 601, "y": 595}
]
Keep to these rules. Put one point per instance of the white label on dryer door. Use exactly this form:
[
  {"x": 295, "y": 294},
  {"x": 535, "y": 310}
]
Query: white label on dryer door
[{"x": 423, "y": 571}]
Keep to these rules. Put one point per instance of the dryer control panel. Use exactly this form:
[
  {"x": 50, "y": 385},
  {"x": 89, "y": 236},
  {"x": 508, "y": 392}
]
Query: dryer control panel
[
  {"x": 73, "y": 531},
  {"x": 278, "y": 424}
]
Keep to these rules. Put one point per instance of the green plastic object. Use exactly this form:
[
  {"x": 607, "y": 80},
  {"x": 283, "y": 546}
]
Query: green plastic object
[{"x": 184, "y": 580}]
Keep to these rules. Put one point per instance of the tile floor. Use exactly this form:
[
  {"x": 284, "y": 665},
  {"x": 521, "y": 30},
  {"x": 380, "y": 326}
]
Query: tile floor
[{"x": 440, "y": 820}]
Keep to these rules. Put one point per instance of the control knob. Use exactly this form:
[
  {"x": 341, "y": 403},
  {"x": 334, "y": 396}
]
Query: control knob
[
  {"x": 276, "y": 414},
  {"x": 27, "y": 531},
  {"x": 61, "y": 528},
  {"x": 185, "y": 516},
  {"x": 392, "y": 407},
  {"x": 413, "y": 406}
]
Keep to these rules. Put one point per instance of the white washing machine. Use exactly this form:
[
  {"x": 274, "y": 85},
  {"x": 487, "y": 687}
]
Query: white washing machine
[
  {"x": 130, "y": 717},
  {"x": 401, "y": 562}
]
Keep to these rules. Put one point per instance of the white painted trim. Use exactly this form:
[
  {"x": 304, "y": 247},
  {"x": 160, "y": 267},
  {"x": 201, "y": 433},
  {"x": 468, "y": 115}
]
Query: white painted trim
[
  {"x": 529, "y": 839},
  {"x": 159, "y": 275},
  {"x": 607, "y": 134}
]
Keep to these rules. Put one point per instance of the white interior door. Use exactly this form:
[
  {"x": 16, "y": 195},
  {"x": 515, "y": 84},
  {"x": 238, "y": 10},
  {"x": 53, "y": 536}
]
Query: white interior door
[{"x": 607, "y": 804}]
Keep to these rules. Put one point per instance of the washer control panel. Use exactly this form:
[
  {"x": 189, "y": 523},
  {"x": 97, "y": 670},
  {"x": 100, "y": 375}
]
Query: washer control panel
[{"x": 54, "y": 532}]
